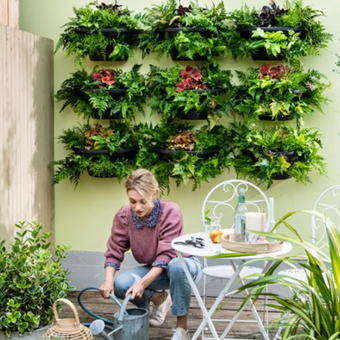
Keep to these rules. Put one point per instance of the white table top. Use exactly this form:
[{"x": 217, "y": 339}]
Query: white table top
[{"x": 214, "y": 249}]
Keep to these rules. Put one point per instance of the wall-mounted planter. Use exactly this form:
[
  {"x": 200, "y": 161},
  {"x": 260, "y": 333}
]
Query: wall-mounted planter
[
  {"x": 115, "y": 94},
  {"x": 194, "y": 114},
  {"x": 126, "y": 36},
  {"x": 167, "y": 154},
  {"x": 122, "y": 153},
  {"x": 261, "y": 53}
]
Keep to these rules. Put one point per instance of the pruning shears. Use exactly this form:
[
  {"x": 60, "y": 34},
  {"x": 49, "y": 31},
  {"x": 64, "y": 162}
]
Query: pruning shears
[{"x": 195, "y": 241}]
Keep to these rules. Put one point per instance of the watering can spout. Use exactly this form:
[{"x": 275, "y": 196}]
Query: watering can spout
[{"x": 97, "y": 328}]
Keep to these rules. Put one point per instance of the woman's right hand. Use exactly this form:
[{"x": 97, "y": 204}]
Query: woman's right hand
[{"x": 106, "y": 289}]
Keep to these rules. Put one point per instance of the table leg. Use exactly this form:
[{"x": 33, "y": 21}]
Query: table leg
[
  {"x": 253, "y": 309},
  {"x": 206, "y": 316}
]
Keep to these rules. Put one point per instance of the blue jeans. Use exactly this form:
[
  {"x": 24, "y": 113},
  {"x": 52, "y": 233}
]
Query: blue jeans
[{"x": 173, "y": 278}]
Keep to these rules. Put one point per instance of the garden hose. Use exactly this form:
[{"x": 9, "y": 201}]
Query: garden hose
[{"x": 106, "y": 321}]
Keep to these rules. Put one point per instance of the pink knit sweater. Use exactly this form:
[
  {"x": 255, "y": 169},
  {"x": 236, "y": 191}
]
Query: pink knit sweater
[{"x": 147, "y": 244}]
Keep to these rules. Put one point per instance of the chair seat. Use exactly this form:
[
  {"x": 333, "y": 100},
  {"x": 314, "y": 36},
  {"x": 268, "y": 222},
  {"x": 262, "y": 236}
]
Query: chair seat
[{"x": 227, "y": 271}]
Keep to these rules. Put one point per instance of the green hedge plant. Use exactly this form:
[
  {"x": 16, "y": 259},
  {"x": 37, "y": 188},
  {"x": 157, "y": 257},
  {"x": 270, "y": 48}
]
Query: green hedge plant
[{"x": 31, "y": 279}]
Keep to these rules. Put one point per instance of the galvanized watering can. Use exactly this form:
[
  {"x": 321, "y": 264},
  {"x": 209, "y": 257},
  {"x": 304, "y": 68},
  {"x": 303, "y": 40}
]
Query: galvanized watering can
[{"x": 126, "y": 326}]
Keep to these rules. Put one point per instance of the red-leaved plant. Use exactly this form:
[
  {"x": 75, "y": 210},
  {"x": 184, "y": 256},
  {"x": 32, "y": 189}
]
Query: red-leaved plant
[
  {"x": 274, "y": 72},
  {"x": 184, "y": 140},
  {"x": 97, "y": 131},
  {"x": 192, "y": 78},
  {"x": 105, "y": 77}
]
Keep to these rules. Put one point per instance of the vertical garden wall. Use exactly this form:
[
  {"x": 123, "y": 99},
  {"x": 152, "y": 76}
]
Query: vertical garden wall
[{"x": 228, "y": 86}]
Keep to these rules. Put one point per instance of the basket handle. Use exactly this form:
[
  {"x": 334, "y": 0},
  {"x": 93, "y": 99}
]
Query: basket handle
[{"x": 68, "y": 302}]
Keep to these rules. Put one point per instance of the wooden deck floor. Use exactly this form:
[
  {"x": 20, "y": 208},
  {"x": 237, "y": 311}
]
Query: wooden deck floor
[{"x": 106, "y": 308}]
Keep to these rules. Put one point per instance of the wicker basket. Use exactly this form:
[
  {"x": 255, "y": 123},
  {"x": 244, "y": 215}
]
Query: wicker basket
[{"x": 70, "y": 329}]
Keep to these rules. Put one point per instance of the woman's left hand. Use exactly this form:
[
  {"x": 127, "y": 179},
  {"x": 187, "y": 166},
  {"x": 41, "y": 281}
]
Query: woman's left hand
[{"x": 137, "y": 291}]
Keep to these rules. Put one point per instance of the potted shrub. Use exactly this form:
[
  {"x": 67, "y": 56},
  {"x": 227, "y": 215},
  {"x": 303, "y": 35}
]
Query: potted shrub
[
  {"x": 278, "y": 152},
  {"x": 104, "y": 33},
  {"x": 186, "y": 154},
  {"x": 276, "y": 33},
  {"x": 278, "y": 93},
  {"x": 184, "y": 33},
  {"x": 105, "y": 93},
  {"x": 31, "y": 280},
  {"x": 102, "y": 152},
  {"x": 312, "y": 310},
  {"x": 190, "y": 93}
]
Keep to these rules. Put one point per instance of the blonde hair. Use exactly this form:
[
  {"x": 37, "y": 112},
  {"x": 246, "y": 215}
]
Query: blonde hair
[{"x": 144, "y": 182}]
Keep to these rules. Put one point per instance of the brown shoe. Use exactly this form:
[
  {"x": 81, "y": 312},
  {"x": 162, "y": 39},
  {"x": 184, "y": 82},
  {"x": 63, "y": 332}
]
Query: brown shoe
[{"x": 159, "y": 312}]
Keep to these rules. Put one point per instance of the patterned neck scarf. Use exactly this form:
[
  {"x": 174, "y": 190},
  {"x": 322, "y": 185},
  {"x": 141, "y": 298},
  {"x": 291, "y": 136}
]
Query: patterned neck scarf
[{"x": 152, "y": 219}]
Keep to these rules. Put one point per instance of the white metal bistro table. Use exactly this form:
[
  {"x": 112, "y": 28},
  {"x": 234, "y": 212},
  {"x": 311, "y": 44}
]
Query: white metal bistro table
[{"x": 211, "y": 250}]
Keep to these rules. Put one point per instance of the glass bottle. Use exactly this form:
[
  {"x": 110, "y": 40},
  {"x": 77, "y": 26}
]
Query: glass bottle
[{"x": 240, "y": 218}]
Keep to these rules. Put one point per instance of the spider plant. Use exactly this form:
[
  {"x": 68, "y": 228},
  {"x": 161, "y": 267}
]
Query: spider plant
[{"x": 312, "y": 311}]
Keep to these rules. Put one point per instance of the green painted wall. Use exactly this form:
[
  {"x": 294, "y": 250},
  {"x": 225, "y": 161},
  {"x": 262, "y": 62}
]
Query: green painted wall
[{"x": 83, "y": 216}]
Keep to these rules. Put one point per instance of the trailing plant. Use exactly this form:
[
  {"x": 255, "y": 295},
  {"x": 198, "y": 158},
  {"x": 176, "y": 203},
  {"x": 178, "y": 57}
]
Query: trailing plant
[
  {"x": 183, "y": 166},
  {"x": 75, "y": 92},
  {"x": 308, "y": 40},
  {"x": 74, "y": 165},
  {"x": 278, "y": 93},
  {"x": 185, "y": 43},
  {"x": 31, "y": 279},
  {"x": 173, "y": 94},
  {"x": 312, "y": 311},
  {"x": 83, "y": 36},
  {"x": 260, "y": 153},
  {"x": 115, "y": 137}
]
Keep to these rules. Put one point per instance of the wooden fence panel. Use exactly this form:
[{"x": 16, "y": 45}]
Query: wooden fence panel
[
  {"x": 26, "y": 130},
  {"x": 9, "y": 13}
]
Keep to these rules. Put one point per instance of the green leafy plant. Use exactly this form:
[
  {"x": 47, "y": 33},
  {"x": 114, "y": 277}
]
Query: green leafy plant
[
  {"x": 183, "y": 165},
  {"x": 31, "y": 279},
  {"x": 74, "y": 165},
  {"x": 278, "y": 92},
  {"x": 186, "y": 43},
  {"x": 308, "y": 40},
  {"x": 79, "y": 139},
  {"x": 115, "y": 137},
  {"x": 312, "y": 311},
  {"x": 263, "y": 154},
  {"x": 176, "y": 91},
  {"x": 89, "y": 94},
  {"x": 83, "y": 35}
]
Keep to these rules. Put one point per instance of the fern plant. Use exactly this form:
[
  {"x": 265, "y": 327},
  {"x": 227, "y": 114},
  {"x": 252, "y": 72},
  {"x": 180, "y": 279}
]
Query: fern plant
[
  {"x": 268, "y": 153},
  {"x": 83, "y": 35},
  {"x": 89, "y": 94},
  {"x": 188, "y": 42},
  {"x": 171, "y": 99},
  {"x": 181, "y": 165},
  {"x": 309, "y": 38},
  {"x": 278, "y": 93}
]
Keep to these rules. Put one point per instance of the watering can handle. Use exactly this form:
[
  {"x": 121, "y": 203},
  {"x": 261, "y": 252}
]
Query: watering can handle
[
  {"x": 68, "y": 302},
  {"x": 123, "y": 308}
]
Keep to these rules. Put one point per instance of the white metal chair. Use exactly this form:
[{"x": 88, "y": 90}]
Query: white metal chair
[{"x": 221, "y": 202}]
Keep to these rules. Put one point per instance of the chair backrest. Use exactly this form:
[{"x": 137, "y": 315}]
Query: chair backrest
[
  {"x": 221, "y": 202},
  {"x": 328, "y": 204}
]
